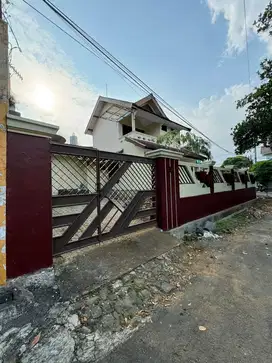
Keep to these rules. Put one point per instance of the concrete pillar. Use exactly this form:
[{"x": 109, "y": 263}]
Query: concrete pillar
[
  {"x": 133, "y": 126},
  {"x": 4, "y": 94},
  {"x": 167, "y": 187},
  {"x": 233, "y": 182},
  {"x": 29, "y": 204},
  {"x": 211, "y": 179}
]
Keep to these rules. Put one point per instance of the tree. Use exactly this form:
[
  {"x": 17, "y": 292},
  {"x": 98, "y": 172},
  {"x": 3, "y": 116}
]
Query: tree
[
  {"x": 263, "y": 172},
  {"x": 256, "y": 128},
  {"x": 189, "y": 141},
  {"x": 238, "y": 162}
]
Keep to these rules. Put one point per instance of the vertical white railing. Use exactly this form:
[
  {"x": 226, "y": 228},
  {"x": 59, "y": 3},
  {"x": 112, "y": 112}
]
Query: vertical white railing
[{"x": 189, "y": 185}]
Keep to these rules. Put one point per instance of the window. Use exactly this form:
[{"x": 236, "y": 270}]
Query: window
[
  {"x": 126, "y": 129},
  {"x": 163, "y": 127}
]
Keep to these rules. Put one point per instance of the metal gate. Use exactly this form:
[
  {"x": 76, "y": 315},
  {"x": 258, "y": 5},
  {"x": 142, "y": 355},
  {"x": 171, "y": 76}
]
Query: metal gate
[{"x": 97, "y": 195}]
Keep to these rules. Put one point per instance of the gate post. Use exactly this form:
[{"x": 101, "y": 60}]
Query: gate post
[
  {"x": 233, "y": 180},
  {"x": 29, "y": 204},
  {"x": 167, "y": 187},
  {"x": 211, "y": 179}
]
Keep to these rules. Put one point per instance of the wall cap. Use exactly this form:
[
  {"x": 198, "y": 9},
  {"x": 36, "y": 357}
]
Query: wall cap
[{"x": 164, "y": 153}]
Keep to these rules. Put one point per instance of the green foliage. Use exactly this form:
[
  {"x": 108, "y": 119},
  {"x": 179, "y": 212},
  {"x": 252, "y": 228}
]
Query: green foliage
[
  {"x": 256, "y": 128},
  {"x": 238, "y": 161},
  {"x": 188, "y": 141},
  {"x": 263, "y": 171}
]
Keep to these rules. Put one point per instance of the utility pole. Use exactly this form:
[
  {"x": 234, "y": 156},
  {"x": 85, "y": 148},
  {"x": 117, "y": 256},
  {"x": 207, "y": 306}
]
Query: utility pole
[{"x": 4, "y": 97}]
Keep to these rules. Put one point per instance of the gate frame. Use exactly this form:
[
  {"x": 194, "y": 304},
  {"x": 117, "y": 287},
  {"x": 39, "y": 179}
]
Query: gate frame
[{"x": 61, "y": 243}]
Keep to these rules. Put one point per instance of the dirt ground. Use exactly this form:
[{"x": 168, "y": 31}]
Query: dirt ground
[{"x": 224, "y": 313}]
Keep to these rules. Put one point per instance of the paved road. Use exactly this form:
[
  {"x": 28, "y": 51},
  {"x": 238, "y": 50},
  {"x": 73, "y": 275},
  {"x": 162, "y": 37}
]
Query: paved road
[{"x": 231, "y": 296}]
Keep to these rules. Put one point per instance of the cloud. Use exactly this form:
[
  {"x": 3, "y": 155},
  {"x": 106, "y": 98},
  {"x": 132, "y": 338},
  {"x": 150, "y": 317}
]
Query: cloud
[
  {"x": 233, "y": 12},
  {"x": 45, "y": 67},
  {"x": 216, "y": 115}
]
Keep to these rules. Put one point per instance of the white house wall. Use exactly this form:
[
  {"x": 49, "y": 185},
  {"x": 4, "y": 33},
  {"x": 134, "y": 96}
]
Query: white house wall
[
  {"x": 106, "y": 135},
  {"x": 131, "y": 149}
]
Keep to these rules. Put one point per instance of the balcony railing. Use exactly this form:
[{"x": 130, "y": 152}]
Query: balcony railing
[{"x": 140, "y": 136}]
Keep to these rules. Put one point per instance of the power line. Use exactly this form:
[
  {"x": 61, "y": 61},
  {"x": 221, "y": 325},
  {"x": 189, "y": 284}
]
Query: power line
[
  {"x": 12, "y": 31},
  {"x": 98, "y": 47},
  {"x": 78, "y": 42},
  {"x": 110, "y": 58},
  {"x": 123, "y": 68}
]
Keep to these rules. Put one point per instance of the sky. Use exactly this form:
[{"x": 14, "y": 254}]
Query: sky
[{"x": 192, "y": 53}]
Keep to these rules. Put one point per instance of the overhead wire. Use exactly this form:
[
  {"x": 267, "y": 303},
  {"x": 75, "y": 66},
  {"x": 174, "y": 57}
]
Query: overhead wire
[
  {"x": 118, "y": 66},
  {"x": 122, "y": 67},
  {"x": 77, "y": 41},
  {"x": 11, "y": 29},
  {"x": 97, "y": 46}
]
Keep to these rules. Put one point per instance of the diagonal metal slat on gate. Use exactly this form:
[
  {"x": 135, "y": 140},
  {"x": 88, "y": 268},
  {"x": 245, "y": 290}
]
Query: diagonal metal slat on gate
[
  {"x": 88, "y": 210},
  {"x": 98, "y": 219},
  {"x": 131, "y": 211}
]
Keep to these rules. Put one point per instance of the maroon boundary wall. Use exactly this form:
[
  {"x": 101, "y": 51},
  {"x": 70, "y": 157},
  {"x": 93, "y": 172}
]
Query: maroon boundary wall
[
  {"x": 29, "y": 221},
  {"x": 173, "y": 211},
  {"x": 192, "y": 208},
  {"x": 29, "y": 209}
]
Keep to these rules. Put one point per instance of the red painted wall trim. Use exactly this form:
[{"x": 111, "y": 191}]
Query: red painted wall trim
[
  {"x": 192, "y": 208},
  {"x": 29, "y": 210}
]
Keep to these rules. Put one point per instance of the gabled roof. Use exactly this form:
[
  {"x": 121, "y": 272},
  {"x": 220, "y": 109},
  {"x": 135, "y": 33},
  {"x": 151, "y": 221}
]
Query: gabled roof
[
  {"x": 144, "y": 144},
  {"x": 118, "y": 109},
  {"x": 151, "y": 98}
]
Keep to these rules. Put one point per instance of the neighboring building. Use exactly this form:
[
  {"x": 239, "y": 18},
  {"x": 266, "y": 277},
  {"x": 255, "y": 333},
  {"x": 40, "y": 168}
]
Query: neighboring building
[
  {"x": 132, "y": 128},
  {"x": 73, "y": 139},
  {"x": 266, "y": 152}
]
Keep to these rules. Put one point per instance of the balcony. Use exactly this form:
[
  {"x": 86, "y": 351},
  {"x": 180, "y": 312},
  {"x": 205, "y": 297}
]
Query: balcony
[{"x": 140, "y": 136}]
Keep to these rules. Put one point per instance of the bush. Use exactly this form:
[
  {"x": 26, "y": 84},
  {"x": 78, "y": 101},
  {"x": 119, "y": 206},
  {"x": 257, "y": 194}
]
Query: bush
[{"x": 263, "y": 171}]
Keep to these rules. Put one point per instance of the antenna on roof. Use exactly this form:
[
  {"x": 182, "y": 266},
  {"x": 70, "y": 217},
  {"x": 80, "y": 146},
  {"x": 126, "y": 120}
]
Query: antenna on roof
[{"x": 106, "y": 90}]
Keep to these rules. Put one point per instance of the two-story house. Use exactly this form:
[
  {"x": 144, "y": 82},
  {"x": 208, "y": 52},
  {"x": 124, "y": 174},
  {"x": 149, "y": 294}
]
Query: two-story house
[{"x": 132, "y": 128}]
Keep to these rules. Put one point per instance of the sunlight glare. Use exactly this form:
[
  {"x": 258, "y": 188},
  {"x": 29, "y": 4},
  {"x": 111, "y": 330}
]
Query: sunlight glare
[{"x": 43, "y": 97}]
